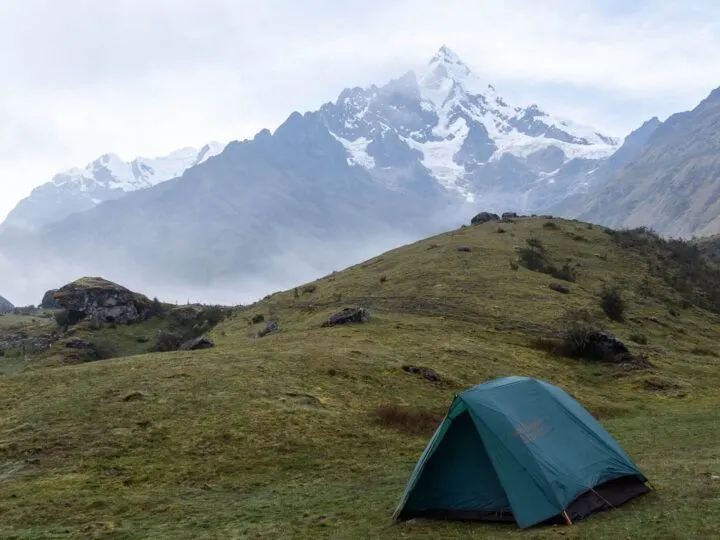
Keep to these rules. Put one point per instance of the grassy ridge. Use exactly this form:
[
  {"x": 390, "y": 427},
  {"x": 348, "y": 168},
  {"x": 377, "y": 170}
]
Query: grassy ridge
[{"x": 279, "y": 437}]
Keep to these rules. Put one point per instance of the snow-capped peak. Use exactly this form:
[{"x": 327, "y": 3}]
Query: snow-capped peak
[
  {"x": 458, "y": 127},
  {"x": 106, "y": 178},
  {"x": 109, "y": 171}
]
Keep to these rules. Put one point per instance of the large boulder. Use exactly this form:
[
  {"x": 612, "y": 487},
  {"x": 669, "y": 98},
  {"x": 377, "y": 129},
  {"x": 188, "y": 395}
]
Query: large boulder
[
  {"x": 484, "y": 217},
  {"x": 5, "y": 305},
  {"x": 48, "y": 300},
  {"x": 101, "y": 299},
  {"x": 347, "y": 316}
]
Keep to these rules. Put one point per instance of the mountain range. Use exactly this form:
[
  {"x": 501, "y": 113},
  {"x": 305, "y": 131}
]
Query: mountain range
[
  {"x": 380, "y": 166},
  {"x": 106, "y": 178}
]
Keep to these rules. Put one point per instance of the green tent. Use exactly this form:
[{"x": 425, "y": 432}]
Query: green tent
[{"x": 522, "y": 450}]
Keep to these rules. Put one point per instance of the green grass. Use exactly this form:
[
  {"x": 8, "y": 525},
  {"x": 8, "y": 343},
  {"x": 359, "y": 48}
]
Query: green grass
[{"x": 278, "y": 437}]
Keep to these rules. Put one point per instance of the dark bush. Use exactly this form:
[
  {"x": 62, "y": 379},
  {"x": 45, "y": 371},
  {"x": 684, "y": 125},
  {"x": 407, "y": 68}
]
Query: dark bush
[
  {"x": 565, "y": 272},
  {"x": 535, "y": 257},
  {"x": 613, "y": 304},
  {"x": 383, "y": 279},
  {"x": 679, "y": 263},
  {"x": 550, "y": 225},
  {"x": 258, "y": 318},
  {"x": 414, "y": 421},
  {"x": 62, "y": 318},
  {"x": 167, "y": 341},
  {"x": 214, "y": 315},
  {"x": 309, "y": 289}
]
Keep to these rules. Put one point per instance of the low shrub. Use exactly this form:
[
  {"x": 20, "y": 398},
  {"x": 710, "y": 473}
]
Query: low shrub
[
  {"x": 640, "y": 339},
  {"x": 411, "y": 420},
  {"x": 613, "y": 304}
]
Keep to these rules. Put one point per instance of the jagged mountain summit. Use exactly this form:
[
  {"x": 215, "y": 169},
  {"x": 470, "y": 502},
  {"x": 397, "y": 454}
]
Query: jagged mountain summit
[
  {"x": 443, "y": 119},
  {"x": 106, "y": 178}
]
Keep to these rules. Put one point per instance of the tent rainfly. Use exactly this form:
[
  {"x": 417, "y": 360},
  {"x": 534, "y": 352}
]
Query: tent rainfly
[{"x": 521, "y": 450}]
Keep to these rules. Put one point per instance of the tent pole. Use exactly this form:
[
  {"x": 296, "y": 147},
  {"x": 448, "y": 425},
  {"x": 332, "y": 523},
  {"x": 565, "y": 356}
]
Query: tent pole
[{"x": 567, "y": 518}]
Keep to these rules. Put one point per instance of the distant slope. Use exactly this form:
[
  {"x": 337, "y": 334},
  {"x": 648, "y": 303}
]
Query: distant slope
[
  {"x": 106, "y": 178},
  {"x": 673, "y": 185},
  {"x": 313, "y": 432},
  {"x": 5, "y": 305}
]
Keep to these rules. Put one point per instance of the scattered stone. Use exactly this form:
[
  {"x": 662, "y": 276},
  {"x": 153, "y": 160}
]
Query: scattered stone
[
  {"x": 465, "y": 249},
  {"x": 202, "y": 342},
  {"x": 428, "y": 373},
  {"x": 97, "y": 297},
  {"x": 484, "y": 217},
  {"x": 347, "y": 316},
  {"x": 272, "y": 326},
  {"x": 559, "y": 288}
]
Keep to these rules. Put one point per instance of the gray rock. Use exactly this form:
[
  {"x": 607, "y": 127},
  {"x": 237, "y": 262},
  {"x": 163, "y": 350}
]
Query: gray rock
[
  {"x": 202, "y": 342},
  {"x": 103, "y": 300},
  {"x": 347, "y": 316},
  {"x": 428, "y": 373},
  {"x": 272, "y": 326},
  {"x": 77, "y": 343}
]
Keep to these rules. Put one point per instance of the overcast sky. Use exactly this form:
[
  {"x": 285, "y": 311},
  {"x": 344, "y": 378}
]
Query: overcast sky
[{"x": 81, "y": 78}]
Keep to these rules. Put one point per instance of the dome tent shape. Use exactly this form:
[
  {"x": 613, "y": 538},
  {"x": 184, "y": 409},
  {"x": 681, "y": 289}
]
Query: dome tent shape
[{"x": 519, "y": 449}]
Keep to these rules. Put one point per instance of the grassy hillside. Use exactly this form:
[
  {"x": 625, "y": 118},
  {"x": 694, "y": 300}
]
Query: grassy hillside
[{"x": 313, "y": 432}]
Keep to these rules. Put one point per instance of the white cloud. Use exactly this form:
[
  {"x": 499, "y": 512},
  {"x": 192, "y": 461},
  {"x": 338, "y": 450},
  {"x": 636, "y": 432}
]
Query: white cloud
[{"x": 143, "y": 77}]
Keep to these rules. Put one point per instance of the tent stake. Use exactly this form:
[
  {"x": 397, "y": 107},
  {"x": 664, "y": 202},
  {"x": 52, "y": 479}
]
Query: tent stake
[{"x": 567, "y": 518}]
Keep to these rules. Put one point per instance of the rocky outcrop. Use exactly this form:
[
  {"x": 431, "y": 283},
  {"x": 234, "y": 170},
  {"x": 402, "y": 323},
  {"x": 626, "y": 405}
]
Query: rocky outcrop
[
  {"x": 484, "y": 217},
  {"x": 98, "y": 298},
  {"x": 5, "y": 305},
  {"x": 48, "y": 300},
  {"x": 348, "y": 315}
]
